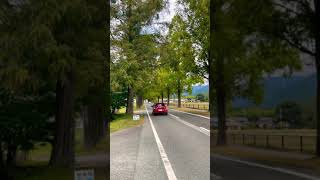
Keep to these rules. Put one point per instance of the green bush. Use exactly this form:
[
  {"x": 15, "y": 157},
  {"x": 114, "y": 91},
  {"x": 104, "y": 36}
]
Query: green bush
[{"x": 118, "y": 100}]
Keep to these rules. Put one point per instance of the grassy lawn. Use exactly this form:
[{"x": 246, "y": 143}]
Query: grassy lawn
[
  {"x": 272, "y": 159},
  {"x": 194, "y": 111},
  {"x": 123, "y": 121},
  {"x": 258, "y": 137},
  {"x": 253, "y": 111},
  {"x": 42, "y": 152},
  {"x": 40, "y": 171},
  {"x": 36, "y": 167}
]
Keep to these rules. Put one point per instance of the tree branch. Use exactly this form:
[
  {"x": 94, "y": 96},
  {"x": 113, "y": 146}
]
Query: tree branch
[
  {"x": 286, "y": 8},
  {"x": 300, "y": 47}
]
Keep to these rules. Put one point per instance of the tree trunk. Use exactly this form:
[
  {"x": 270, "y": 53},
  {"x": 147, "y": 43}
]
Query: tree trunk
[
  {"x": 220, "y": 81},
  {"x": 158, "y": 99},
  {"x": 139, "y": 101},
  {"x": 108, "y": 89},
  {"x": 1, "y": 156},
  {"x": 179, "y": 94},
  {"x": 129, "y": 109},
  {"x": 168, "y": 100},
  {"x": 11, "y": 155},
  {"x": 317, "y": 41},
  {"x": 211, "y": 72},
  {"x": 94, "y": 127},
  {"x": 63, "y": 145},
  {"x": 162, "y": 97}
]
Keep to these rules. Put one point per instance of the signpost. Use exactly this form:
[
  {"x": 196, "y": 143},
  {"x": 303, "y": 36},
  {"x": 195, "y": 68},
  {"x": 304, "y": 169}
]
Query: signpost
[
  {"x": 84, "y": 174},
  {"x": 136, "y": 117}
]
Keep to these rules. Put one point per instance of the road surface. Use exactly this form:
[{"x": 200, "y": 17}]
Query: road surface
[
  {"x": 135, "y": 152},
  {"x": 176, "y": 147}
]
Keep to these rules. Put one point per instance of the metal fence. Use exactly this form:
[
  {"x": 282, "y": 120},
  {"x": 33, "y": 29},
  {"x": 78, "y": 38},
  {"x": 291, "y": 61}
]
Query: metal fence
[
  {"x": 301, "y": 143},
  {"x": 199, "y": 106}
]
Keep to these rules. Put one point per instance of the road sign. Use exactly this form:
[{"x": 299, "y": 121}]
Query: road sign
[
  {"x": 136, "y": 117},
  {"x": 84, "y": 174}
]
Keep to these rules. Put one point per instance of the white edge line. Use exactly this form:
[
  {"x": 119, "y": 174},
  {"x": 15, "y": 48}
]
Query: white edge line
[
  {"x": 191, "y": 114},
  {"x": 285, "y": 171},
  {"x": 205, "y": 129},
  {"x": 201, "y": 129},
  {"x": 163, "y": 154}
]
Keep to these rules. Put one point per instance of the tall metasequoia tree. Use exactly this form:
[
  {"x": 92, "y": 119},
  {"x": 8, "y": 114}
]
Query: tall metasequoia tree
[{"x": 133, "y": 16}]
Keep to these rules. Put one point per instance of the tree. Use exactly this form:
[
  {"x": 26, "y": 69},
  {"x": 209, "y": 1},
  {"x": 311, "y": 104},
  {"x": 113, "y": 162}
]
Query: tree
[
  {"x": 180, "y": 58},
  {"x": 298, "y": 24},
  {"x": 241, "y": 54},
  {"x": 128, "y": 37},
  {"x": 51, "y": 52},
  {"x": 22, "y": 129}
]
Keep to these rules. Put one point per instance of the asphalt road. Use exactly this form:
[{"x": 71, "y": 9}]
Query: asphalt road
[
  {"x": 183, "y": 153},
  {"x": 135, "y": 153}
]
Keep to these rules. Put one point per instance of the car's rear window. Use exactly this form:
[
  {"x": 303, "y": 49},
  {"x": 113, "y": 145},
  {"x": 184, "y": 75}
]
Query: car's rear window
[{"x": 160, "y": 105}]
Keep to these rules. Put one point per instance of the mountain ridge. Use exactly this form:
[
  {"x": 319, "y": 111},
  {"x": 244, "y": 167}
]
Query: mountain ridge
[{"x": 300, "y": 89}]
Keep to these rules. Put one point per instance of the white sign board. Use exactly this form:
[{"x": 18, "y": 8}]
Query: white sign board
[
  {"x": 136, "y": 117},
  {"x": 84, "y": 174}
]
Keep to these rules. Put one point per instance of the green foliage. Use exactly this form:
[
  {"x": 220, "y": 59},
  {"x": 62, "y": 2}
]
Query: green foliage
[
  {"x": 41, "y": 42},
  {"x": 134, "y": 53},
  {"x": 197, "y": 24},
  {"x": 118, "y": 100},
  {"x": 177, "y": 59},
  {"x": 200, "y": 97},
  {"x": 251, "y": 112},
  {"x": 289, "y": 112},
  {"x": 240, "y": 42},
  {"x": 24, "y": 121}
]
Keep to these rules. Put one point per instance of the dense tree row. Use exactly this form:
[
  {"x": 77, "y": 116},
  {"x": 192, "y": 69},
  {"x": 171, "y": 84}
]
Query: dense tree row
[{"x": 53, "y": 62}]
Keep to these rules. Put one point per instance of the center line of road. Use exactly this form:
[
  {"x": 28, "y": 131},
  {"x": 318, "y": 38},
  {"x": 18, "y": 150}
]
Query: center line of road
[
  {"x": 201, "y": 129},
  {"x": 163, "y": 154}
]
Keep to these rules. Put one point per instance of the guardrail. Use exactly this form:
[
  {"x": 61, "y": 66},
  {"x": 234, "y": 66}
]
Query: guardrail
[
  {"x": 193, "y": 105},
  {"x": 301, "y": 143}
]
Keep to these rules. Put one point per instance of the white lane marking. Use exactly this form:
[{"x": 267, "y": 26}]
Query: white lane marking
[
  {"x": 163, "y": 154},
  {"x": 205, "y": 129},
  {"x": 191, "y": 114},
  {"x": 201, "y": 129},
  {"x": 285, "y": 171}
]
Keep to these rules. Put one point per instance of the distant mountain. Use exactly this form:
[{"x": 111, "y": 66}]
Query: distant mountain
[
  {"x": 276, "y": 90},
  {"x": 200, "y": 89}
]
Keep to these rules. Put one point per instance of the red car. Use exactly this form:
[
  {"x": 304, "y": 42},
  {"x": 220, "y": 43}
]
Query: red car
[{"x": 159, "y": 108}]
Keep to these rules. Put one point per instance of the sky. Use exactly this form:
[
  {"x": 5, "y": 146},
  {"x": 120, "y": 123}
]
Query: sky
[{"x": 165, "y": 16}]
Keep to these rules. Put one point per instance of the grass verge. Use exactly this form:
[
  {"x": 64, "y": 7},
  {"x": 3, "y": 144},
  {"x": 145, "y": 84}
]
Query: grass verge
[
  {"x": 123, "y": 121},
  {"x": 194, "y": 111},
  {"x": 44, "y": 172},
  {"x": 36, "y": 167}
]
